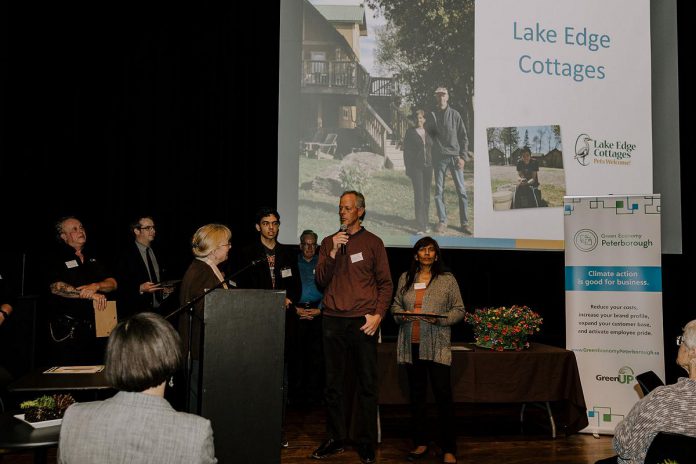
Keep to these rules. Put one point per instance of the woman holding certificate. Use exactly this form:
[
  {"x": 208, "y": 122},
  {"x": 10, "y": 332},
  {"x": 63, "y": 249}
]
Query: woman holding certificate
[{"x": 426, "y": 304}]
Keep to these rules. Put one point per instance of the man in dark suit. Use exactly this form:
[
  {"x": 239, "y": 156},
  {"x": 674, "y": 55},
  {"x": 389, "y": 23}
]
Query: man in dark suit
[{"x": 139, "y": 272}]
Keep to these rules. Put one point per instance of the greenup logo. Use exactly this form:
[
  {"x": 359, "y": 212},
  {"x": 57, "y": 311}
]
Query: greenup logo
[
  {"x": 585, "y": 240},
  {"x": 625, "y": 376}
]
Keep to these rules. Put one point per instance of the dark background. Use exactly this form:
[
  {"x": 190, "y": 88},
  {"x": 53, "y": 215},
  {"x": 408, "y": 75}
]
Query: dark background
[{"x": 108, "y": 111}]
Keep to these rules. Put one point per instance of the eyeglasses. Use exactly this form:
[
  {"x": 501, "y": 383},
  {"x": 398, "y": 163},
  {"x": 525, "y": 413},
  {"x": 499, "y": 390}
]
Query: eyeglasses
[
  {"x": 680, "y": 340},
  {"x": 146, "y": 227}
]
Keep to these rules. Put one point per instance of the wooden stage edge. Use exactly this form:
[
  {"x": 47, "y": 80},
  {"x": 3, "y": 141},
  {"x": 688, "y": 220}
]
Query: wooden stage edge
[{"x": 486, "y": 434}]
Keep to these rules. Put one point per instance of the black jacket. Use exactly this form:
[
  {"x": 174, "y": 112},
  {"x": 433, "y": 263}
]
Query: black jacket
[
  {"x": 131, "y": 272},
  {"x": 259, "y": 276}
]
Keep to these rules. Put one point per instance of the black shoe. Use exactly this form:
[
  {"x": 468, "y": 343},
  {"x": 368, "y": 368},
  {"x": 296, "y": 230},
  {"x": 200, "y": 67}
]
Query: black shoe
[
  {"x": 328, "y": 448},
  {"x": 366, "y": 453},
  {"x": 413, "y": 456}
]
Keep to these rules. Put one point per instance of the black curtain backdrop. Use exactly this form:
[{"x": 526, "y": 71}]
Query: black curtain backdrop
[{"x": 109, "y": 111}]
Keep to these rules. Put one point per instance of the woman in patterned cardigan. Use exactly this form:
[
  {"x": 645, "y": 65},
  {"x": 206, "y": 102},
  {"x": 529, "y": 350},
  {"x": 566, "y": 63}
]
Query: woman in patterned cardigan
[{"x": 423, "y": 345}]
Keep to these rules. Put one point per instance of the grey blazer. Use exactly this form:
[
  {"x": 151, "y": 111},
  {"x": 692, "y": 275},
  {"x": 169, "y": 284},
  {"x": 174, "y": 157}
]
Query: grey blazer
[{"x": 133, "y": 428}]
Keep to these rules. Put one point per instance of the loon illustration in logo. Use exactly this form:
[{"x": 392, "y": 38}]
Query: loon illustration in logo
[{"x": 582, "y": 149}]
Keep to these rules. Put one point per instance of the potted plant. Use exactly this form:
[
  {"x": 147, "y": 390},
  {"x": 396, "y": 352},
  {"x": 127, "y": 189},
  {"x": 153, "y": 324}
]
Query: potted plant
[{"x": 504, "y": 328}]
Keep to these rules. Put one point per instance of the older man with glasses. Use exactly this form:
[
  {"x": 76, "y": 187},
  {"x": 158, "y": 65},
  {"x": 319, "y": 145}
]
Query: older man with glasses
[
  {"x": 307, "y": 361},
  {"x": 670, "y": 408}
]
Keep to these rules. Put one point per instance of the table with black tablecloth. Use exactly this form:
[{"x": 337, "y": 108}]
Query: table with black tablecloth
[{"x": 540, "y": 374}]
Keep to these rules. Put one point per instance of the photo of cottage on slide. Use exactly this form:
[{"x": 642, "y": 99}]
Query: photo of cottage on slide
[{"x": 387, "y": 109}]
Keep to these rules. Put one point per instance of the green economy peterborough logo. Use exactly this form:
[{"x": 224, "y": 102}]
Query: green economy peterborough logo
[
  {"x": 585, "y": 240},
  {"x": 625, "y": 376},
  {"x": 594, "y": 151}
]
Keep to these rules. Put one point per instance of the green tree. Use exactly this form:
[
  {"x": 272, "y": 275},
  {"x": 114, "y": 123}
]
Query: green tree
[
  {"x": 430, "y": 43},
  {"x": 510, "y": 138}
]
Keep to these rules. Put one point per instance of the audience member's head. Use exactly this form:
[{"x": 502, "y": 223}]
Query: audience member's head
[
  {"x": 686, "y": 356},
  {"x": 143, "y": 352}
]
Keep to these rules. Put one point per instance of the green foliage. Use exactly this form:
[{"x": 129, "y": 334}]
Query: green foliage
[
  {"x": 354, "y": 178},
  {"x": 40, "y": 402},
  {"x": 429, "y": 43}
]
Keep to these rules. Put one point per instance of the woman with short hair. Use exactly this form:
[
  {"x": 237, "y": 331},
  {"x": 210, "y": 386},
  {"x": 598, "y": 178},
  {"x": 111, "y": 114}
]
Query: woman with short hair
[
  {"x": 137, "y": 424},
  {"x": 210, "y": 246}
]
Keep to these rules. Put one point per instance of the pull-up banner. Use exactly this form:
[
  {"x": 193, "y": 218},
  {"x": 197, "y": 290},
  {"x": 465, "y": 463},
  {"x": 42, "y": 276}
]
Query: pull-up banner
[{"x": 613, "y": 282}]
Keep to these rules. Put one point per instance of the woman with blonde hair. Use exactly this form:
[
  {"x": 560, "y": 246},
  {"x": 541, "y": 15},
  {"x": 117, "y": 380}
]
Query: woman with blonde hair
[{"x": 210, "y": 246}]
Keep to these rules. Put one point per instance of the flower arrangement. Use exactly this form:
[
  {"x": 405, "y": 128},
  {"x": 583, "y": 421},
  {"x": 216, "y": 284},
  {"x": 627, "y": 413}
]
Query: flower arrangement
[
  {"x": 46, "y": 407},
  {"x": 504, "y": 328}
]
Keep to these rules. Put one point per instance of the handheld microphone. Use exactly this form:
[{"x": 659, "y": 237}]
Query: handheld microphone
[{"x": 343, "y": 228}]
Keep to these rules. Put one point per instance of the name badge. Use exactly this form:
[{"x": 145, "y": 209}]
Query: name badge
[
  {"x": 285, "y": 273},
  {"x": 419, "y": 285},
  {"x": 356, "y": 258},
  {"x": 71, "y": 264}
]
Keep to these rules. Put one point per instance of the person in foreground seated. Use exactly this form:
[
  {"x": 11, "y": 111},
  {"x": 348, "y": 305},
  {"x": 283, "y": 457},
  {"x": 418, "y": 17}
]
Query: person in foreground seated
[
  {"x": 671, "y": 408},
  {"x": 137, "y": 424},
  {"x": 424, "y": 346}
]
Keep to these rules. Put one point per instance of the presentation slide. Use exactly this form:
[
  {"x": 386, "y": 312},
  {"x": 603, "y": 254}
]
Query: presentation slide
[{"x": 469, "y": 123}]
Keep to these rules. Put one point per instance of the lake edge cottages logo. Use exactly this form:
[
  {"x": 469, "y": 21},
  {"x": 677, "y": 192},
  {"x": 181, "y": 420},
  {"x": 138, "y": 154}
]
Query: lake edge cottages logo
[
  {"x": 625, "y": 376},
  {"x": 585, "y": 240},
  {"x": 612, "y": 152}
]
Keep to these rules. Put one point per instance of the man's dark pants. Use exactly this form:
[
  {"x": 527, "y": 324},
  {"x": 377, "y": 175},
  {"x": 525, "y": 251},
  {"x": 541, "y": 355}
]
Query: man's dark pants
[{"x": 343, "y": 338}]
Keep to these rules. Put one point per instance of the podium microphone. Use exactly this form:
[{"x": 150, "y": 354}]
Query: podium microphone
[{"x": 343, "y": 228}]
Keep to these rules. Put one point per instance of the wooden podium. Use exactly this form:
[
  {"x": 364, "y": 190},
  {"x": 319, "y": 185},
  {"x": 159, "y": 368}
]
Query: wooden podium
[{"x": 242, "y": 373}]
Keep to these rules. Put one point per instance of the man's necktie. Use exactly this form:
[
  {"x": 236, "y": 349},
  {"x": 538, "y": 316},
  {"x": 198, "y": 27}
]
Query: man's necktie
[{"x": 153, "y": 275}]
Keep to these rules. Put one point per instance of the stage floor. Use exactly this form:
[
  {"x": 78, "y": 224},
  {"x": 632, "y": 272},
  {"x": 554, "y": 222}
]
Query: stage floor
[{"x": 486, "y": 434}]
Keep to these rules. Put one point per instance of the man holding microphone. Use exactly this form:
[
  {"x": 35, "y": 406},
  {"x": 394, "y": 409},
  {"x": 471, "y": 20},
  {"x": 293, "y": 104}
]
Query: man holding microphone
[{"x": 354, "y": 270}]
